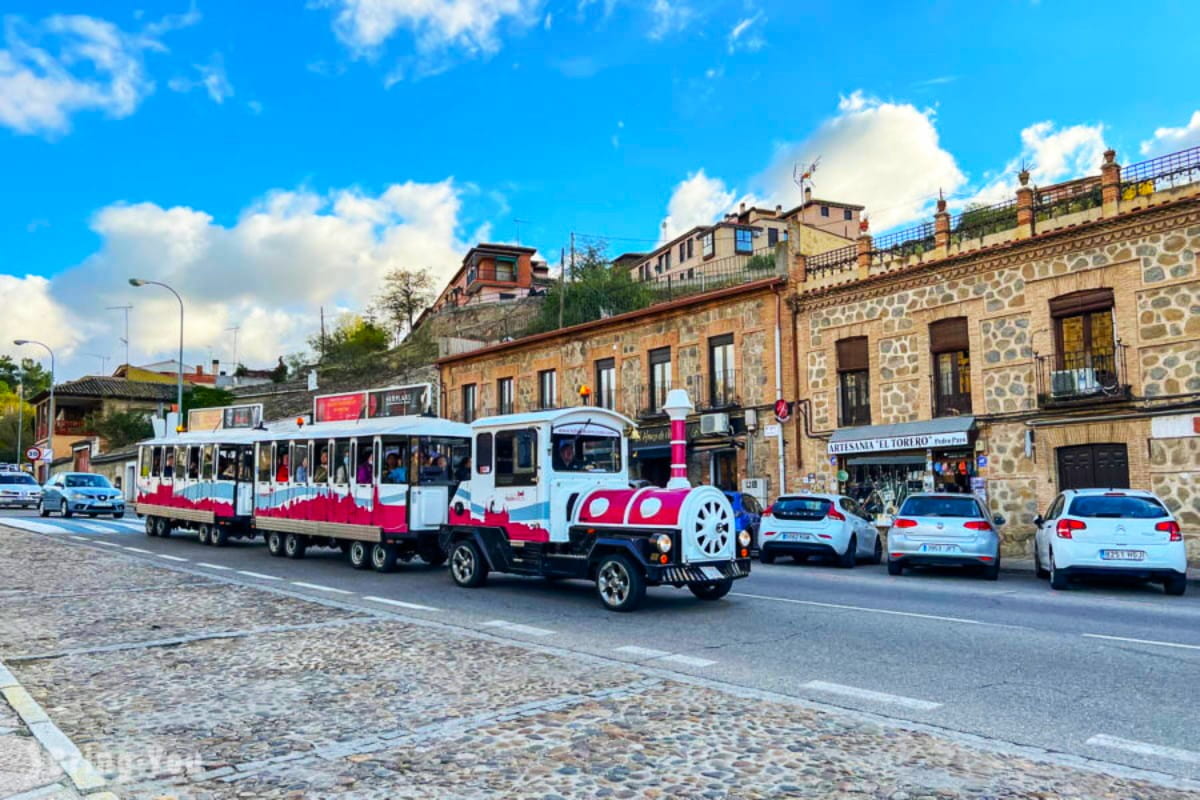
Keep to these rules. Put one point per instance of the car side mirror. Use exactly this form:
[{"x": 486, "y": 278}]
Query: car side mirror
[
  {"x": 1038, "y": 520},
  {"x": 998, "y": 520}
]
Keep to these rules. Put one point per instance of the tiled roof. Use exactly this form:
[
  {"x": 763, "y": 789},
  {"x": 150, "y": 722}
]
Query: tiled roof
[{"x": 117, "y": 388}]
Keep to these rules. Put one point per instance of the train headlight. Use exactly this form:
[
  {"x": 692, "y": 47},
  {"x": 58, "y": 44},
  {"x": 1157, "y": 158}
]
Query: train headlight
[
  {"x": 663, "y": 543},
  {"x": 744, "y": 538}
]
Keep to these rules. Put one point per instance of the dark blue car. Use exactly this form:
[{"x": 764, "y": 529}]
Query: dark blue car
[{"x": 747, "y": 513}]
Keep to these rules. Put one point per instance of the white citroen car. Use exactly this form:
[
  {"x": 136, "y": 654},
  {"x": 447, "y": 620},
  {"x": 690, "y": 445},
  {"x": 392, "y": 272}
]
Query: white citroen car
[
  {"x": 826, "y": 525},
  {"x": 1110, "y": 531}
]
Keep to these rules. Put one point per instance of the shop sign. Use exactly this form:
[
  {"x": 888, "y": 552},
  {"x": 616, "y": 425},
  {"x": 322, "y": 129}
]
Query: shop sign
[
  {"x": 1175, "y": 426},
  {"x": 771, "y": 431},
  {"x": 661, "y": 434},
  {"x": 339, "y": 407},
  {"x": 981, "y": 461},
  {"x": 204, "y": 419},
  {"x": 398, "y": 401},
  {"x": 843, "y": 476},
  {"x": 247, "y": 416},
  {"x": 922, "y": 441}
]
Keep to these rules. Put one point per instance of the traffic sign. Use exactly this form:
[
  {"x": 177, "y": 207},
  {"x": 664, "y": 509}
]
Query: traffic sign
[
  {"x": 771, "y": 431},
  {"x": 783, "y": 410},
  {"x": 33, "y": 453}
]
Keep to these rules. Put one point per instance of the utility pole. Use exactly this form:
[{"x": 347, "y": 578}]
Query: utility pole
[
  {"x": 518, "y": 222},
  {"x": 322, "y": 334},
  {"x": 20, "y": 419},
  {"x": 124, "y": 341},
  {"x": 562, "y": 283}
]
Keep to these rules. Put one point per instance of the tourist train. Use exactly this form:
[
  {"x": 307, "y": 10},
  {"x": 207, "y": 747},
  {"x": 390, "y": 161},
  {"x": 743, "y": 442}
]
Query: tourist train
[{"x": 544, "y": 493}]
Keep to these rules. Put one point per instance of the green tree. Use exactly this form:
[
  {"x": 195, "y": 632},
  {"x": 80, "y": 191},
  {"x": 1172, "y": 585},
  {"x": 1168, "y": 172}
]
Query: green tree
[
  {"x": 29, "y": 372},
  {"x": 593, "y": 290},
  {"x": 121, "y": 428},
  {"x": 352, "y": 344},
  {"x": 9, "y": 417},
  {"x": 205, "y": 397},
  {"x": 404, "y": 295}
]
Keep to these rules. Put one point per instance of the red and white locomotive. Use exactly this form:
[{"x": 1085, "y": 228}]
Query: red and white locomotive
[{"x": 549, "y": 495}]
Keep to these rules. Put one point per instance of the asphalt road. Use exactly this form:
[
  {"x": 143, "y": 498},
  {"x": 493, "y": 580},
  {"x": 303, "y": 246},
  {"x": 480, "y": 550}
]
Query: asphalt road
[{"x": 1104, "y": 671}]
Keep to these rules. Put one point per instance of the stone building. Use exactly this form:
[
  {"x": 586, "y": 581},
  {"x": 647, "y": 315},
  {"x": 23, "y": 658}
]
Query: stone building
[{"x": 1048, "y": 342}]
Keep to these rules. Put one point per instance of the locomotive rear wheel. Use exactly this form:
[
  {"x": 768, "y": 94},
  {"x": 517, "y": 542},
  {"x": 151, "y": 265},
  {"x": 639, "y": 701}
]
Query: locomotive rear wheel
[
  {"x": 360, "y": 557},
  {"x": 162, "y": 527},
  {"x": 275, "y": 543},
  {"x": 711, "y": 591},
  {"x": 619, "y": 584},
  {"x": 294, "y": 546},
  {"x": 151, "y": 526},
  {"x": 218, "y": 535},
  {"x": 467, "y": 567},
  {"x": 202, "y": 534},
  {"x": 383, "y": 557}
]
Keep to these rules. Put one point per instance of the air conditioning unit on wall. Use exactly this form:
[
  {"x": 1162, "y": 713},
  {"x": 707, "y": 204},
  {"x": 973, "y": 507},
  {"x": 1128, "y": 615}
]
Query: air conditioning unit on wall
[{"x": 714, "y": 424}]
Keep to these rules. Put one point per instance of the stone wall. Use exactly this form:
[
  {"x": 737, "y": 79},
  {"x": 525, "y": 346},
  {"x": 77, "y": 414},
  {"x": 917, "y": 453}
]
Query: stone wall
[
  {"x": 485, "y": 322},
  {"x": 1175, "y": 477}
]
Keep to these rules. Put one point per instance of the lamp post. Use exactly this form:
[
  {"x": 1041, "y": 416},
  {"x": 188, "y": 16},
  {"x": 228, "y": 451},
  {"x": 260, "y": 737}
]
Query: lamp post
[
  {"x": 179, "y": 377},
  {"x": 20, "y": 416},
  {"x": 50, "y": 426}
]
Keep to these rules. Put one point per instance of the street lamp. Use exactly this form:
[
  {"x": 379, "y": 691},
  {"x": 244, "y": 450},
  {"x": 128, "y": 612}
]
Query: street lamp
[
  {"x": 50, "y": 427},
  {"x": 179, "y": 377}
]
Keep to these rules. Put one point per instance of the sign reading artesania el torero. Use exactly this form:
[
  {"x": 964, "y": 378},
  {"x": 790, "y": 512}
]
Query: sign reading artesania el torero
[{"x": 920, "y": 441}]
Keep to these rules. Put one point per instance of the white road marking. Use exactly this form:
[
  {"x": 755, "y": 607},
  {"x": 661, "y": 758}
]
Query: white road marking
[
  {"x": 81, "y": 538},
  {"x": 867, "y": 609},
  {"x": 642, "y": 652},
  {"x": 867, "y": 694},
  {"x": 1145, "y": 748},
  {"x": 258, "y": 575},
  {"x": 106, "y": 544},
  {"x": 171, "y": 558},
  {"x": 687, "y": 661},
  {"x": 210, "y": 566},
  {"x": 1141, "y": 641},
  {"x": 320, "y": 588},
  {"x": 516, "y": 627},
  {"x": 137, "y": 550},
  {"x": 401, "y": 604}
]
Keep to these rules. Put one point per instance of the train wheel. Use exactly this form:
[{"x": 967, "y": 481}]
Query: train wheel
[
  {"x": 151, "y": 530},
  {"x": 383, "y": 557},
  {"x": 162, "y": 527},
  {"x": 275, "y": 543},
  {"x": 360, "y": 558},
  {"x": 619, "y": 583},
  {"x": 467, "y": 566},
  {"x": 218, "y": 535},
  {"x": 294, "y": 546},
  {"x": 202, "y": 534}
]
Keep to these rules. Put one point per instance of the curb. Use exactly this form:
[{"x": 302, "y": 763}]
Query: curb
[
  {"x": 64, "y": 752},
  {"x": 1025, "y": 565}
]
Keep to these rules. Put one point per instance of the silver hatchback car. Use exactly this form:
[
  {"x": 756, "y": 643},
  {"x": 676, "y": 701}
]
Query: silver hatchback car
[{"x": 944, "y": 530}]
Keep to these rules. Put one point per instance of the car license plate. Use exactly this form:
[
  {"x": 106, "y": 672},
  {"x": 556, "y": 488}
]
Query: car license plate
[
  {"x": 1123, "y": 555},
  {"x": 939, "y": 548},
  {"x": 794, "y": 537},
  {"x": 712, "y": 573}
]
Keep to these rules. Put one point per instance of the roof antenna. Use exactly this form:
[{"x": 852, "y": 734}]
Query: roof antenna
[{"x": 803, "y": 177}]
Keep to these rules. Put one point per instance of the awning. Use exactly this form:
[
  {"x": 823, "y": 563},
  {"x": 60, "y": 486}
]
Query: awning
[
  {"x": 940, "y": 432},
  {"x": 915, "y": 459}
]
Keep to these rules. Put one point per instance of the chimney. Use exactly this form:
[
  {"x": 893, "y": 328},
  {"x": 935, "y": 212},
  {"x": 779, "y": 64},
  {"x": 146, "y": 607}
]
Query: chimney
[
  {"x": 216, "y": 366},
  {"x": 677, "y": 408},
  {"x": 742, "y": 208},
  {"x": 778, "y": 211},
  {"x": 807, "y": 194},
  {"x": 199, "y": 369}
]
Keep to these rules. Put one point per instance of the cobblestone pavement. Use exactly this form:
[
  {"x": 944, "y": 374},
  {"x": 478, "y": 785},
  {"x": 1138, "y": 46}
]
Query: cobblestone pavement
[{"x": 178, "y": 686}]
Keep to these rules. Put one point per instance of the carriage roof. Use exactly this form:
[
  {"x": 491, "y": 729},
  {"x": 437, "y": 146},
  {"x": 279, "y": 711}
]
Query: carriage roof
[
  {"x": 555, "y": 416},
  {"x": 385, "y": 426}
]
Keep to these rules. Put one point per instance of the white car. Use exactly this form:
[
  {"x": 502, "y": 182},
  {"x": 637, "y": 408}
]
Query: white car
[
  {"x": 19, "y": 490},
  {"x": 828, "y": 525},
  {"x": 1110, "y": 531}
]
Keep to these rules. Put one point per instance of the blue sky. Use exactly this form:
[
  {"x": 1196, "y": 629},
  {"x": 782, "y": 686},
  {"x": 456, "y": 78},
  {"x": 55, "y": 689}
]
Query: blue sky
[{"x": 272, "y": 158}]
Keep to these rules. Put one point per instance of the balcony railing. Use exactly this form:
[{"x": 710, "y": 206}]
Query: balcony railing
[
  {"x": 604, "y": 398},
  {"x": 952, "y": 405},
  {"x": 1067, "y": 198},
  {"x": 976, "y": 223},
  {"x": 1082, "y": 377},
  {"x": 720, "y": 390},
  {"x": 902, "y": 244},
  {"x": 843, "y": 259},
  {"x": 476, "y": 274},
  {"x": 1157, "y": 174},
  {"x": 708, "y": 276},
  {"x": 651, "y": 398}
]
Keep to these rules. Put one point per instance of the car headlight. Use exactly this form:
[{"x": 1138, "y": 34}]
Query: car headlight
[
  {"x": 744, "y": 538},
  {"x": 663, "y": 543},
  {"x": 77, "y": 495}
]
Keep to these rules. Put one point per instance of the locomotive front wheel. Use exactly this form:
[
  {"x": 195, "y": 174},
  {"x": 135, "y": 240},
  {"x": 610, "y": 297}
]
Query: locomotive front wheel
[
  {"x": 202, "y": 534},
  {"x": 711, "y": 591},
  {"x": 619, "y": 583},
  {"x": 294, "y": 546},
  {"x": 360, "y": 556},
  {"x": 275, "y": 543},
  {"x": 467, "y": 566},
  {"x": 383, "y": 557},
  {"x": 151, "y": 529}
]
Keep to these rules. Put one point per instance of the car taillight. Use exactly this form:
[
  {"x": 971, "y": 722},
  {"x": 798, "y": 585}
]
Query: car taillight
[
  {"x": 767, "y": 511},
  {"x": 977, "y": 525},
  {"x": 905, "y": 523},
  {"x": 835, "y": 514},
  {"x": 1065, "y": 526},
  {"x": 1171, "y": 528}
]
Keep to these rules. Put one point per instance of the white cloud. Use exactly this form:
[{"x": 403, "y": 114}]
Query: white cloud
[
  {"x": 1051, "y": 155},
  {"x": 31, "y": 312},
  {"x": 885, "y": 155},
  {"x": 269, "y": 271},
  {"x": 746, "y": 34},
  {"x": 668, "y": 16},
  {"x": 1169, "y": 140},
  {"x": 439, "y": 28},
  {"x": 698, "y": 200},
  {"x": 68, "y": 64},
  {"x": 212, "y": 79}
]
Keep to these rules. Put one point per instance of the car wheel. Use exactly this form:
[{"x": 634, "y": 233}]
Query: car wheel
[
  {"x": 360, "y": 557},
  {"x": 766, "y": 558},
  {"x": 162, "y": 527},
  {"x": 619, "y": 583},
  {"x": 1038, "y": 569},
  {"x": 151, "y": 528},
  {"x": 991, "y": 572},
  {"x": 64, "y": 510},
  {"x": 711, "y": 591},
  {"x": 118, "y": 515},
  {"x": 218, "y": 535},
  {"x": 275, "y": 543},
  {"x": 202, "y": 534},
  {"x": 43, "y": 511},
  {"x": 1175, "y": 585},
  {"x": 1058, "y": 578},
  {"x": 877, "y": 553},
  {"x": 467, "y": 567},
  {"x": 848, "y": 559},
  {"x": 383, "y": 557},
  {"x": 895, "y": 567},
  {"x": 294, "y": 545}
]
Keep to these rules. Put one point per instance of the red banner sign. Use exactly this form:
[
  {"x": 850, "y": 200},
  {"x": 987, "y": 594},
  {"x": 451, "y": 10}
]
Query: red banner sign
[{"x": 338, "y": 407}]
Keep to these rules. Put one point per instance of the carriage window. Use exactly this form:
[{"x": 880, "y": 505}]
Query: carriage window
[
  {"x": 300, "y": 465},
  {"x": 246, "y": 471},
  {"x": 396, "y": 458},
  {"x": 586, "y": 448},
  {"x": 364, "y": 470},
  {"x": 516, "y": 458},
  {"x": 156, "y": 462},
  {"x": 264, "y": 463},
  {"x": 144, "y": 459},
  {"x": 443, "y": 460},
  {"x": 341, "y": 461},
  {"x": 321, "y": 463},
  {"x": 180, "y": 462},
  {"x": 193, "y": 462},
  {"x": 483, "y": 453},
  {"x": 283, "y": 471},
  {"x": 206, "y": 462},
  {"x": 227, "y": 462}
]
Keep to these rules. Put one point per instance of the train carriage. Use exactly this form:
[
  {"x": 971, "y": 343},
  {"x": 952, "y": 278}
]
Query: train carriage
[{"x": 549, "y": 495}]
